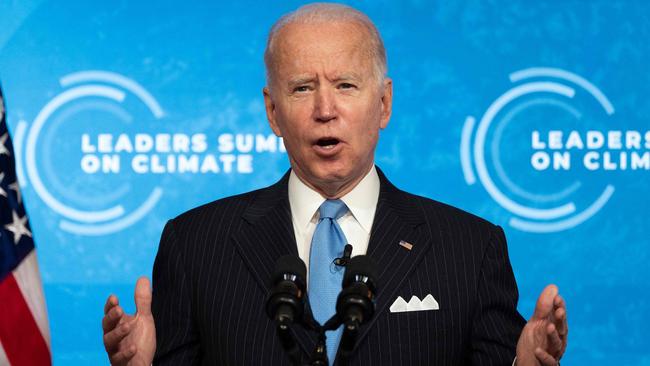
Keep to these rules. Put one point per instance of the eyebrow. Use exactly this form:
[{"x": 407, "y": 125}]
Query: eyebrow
[
  {"x": 300, "y": 80},
  {"x": 310, "y": 78},
  {"x": 348, "y": 76}
]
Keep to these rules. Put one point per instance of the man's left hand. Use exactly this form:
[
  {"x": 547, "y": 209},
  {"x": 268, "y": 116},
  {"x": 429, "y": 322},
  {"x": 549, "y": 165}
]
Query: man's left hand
[{"x": 544, "y": 338}]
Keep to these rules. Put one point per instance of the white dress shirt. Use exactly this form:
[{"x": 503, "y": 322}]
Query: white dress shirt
[{"x": 356, "y": 224}]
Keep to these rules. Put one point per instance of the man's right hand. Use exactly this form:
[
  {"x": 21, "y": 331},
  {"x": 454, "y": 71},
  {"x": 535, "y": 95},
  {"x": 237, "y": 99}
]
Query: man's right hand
[{"x": 130, "y": 339}]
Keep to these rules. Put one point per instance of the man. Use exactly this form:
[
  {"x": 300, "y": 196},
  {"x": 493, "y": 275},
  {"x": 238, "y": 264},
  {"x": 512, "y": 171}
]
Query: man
[{"x": 328, "y": 97}]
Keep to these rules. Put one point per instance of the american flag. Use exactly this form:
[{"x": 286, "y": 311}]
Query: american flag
[{"x": 24, "y": 330}]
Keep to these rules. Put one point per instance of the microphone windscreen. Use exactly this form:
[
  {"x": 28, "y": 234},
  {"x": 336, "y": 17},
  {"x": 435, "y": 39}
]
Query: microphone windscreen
[
  {"x": 289, "y": 264},
  {"x": 362, "y": 265}
]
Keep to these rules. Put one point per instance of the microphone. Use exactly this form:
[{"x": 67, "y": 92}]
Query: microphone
[
  {"x": 285, "y": 303},
  {"x": 347, "y": 253},
  {"x": 355, "y": 304}
]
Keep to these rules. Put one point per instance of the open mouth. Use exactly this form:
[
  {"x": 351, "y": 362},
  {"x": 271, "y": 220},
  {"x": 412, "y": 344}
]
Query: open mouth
[{"x": 327, "y": 142}]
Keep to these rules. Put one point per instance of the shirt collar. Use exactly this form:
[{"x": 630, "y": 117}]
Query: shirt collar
[{"x": 361, "y": 200}]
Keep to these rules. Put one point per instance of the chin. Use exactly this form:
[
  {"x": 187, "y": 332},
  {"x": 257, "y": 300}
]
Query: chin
[{"x": 334, "y": 170}]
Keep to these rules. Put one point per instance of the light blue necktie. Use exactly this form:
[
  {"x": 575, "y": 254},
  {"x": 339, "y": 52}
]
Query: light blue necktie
[{"x": 325, "y": 278}]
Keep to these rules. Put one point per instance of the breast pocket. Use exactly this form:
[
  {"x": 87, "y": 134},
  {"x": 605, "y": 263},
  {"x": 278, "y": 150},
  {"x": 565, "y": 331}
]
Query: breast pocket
[
  {"x": 418, "y": 326},
  {"x": 422, "y": 335}
]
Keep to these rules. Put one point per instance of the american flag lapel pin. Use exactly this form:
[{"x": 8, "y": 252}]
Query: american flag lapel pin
[{"x": 405, "y": 244}]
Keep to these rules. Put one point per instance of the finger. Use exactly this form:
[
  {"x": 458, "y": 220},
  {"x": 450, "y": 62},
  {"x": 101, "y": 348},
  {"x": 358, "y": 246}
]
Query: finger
[
  {"x": 554, "y": 341},
  {"x": 110, "y": 302},
  {"x": 545, "y": 358},
  {"x": 544, "y": 305},
  {"x": 562, "y": 329},
  {"x": 561, "y": 321},
  {"x": 143, "y": 296},
  {"x": 123, "y": 355},
  {"x": 111, "y": 319},
  {"x": 561, "y": 316},
  {"x": 559, "y": 302},
  {"x": 113, "y": 338}
]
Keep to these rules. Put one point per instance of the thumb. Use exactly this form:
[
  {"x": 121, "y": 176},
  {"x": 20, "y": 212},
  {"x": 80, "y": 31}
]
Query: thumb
[
  {"x": 143, "y": 296},
  {"x": 544, "y": 305}
]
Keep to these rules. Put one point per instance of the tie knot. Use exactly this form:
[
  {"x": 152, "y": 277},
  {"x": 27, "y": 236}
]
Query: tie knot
[{"x": 332, "y": 209}]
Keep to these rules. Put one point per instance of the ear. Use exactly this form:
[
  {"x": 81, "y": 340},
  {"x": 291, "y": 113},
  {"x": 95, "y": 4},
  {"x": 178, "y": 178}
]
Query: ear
[
  {"x": 270, "y": 111},
  {"x": 386, "y": 102}
]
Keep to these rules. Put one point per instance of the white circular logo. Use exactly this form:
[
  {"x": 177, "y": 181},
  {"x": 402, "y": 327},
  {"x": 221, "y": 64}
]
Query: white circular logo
[
  {"x": 80, "y": 87},
  {"x": 484, "y": 145}
]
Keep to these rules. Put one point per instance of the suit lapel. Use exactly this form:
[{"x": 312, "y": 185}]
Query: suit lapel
[
  {"x": 268, "y": 236},
  {"x": 398, "y": 217}
]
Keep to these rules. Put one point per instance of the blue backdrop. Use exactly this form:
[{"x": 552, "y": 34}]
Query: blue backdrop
[{"x": 530, "y": 114}]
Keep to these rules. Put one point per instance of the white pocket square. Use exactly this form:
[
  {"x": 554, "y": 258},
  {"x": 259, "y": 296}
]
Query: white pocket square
[{"x": 415, "y": 304}]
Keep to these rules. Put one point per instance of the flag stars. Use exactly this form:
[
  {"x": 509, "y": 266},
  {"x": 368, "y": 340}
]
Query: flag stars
[
  {"x": 16, "y": 188},
  {"x": 2, "y": 190},
  {"x": 3, "y": 148},
  {"x": 18, "y": 227}
]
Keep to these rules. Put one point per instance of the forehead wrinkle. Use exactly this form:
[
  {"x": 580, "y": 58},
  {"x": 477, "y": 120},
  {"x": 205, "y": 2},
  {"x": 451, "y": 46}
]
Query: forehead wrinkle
[
  {"x": 335, "y": 65},
  {"x": 296, "y": 52}
]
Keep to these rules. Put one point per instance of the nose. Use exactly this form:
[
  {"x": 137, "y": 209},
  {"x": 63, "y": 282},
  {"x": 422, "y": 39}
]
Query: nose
[{"x": 324, "y": 105}]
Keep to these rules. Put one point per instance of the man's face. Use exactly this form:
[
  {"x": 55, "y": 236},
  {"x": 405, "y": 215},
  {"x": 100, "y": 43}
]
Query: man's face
[{"x": 326, "y": 103}]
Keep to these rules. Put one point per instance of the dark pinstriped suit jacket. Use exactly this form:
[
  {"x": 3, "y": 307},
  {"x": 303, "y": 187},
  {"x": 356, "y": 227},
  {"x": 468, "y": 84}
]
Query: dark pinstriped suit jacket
[{"x": 211, "y": 275}]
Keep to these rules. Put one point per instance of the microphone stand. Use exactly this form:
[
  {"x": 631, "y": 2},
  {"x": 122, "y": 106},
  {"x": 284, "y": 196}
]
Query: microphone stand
[
  {"x": 290, "y": 346},
  {"x": 319, "y": 355},
  {"x": 288, "y": 341},
  {"x": 348, "y": 339}
]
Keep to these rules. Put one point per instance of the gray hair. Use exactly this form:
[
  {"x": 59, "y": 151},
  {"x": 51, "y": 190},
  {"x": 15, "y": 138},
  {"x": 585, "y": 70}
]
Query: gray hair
[{"x": 328, "y": 12}]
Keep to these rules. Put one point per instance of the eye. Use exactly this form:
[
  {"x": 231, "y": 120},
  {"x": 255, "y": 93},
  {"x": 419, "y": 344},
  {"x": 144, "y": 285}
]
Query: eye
[
  {"x": 347, "y": 86},
  {"x": 301, "y": 89}
]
